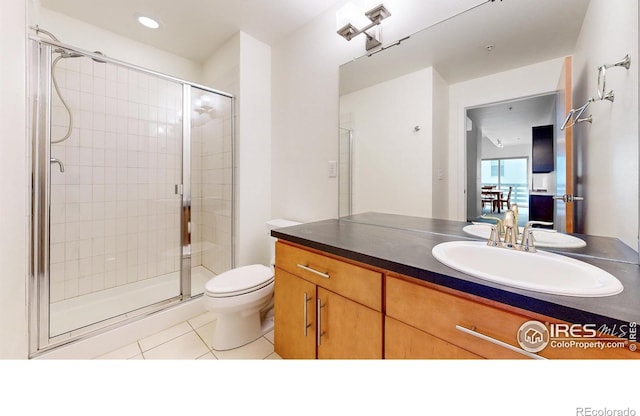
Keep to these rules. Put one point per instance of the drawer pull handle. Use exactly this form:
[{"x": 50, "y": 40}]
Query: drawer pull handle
[
  {"x": 306, "y": 325},
  {"x": 476, "y": 334},
  {"x": 309, "y": 269}
]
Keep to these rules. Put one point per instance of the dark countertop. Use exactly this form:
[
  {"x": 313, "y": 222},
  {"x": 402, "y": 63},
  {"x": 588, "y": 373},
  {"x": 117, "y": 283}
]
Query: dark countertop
[{"x": 408, "y": 251}]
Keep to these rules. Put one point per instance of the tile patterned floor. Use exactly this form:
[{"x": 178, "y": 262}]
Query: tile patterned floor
[{"x": 191, "y": 340}]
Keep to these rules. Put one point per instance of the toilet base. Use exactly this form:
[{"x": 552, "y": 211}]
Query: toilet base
[
  {"x": 233, "y": 331},
  {"x": 267, "y": 325}
]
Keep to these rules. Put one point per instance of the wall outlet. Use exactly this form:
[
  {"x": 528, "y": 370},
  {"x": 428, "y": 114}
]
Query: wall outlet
[{"x": 333, "y": 168}]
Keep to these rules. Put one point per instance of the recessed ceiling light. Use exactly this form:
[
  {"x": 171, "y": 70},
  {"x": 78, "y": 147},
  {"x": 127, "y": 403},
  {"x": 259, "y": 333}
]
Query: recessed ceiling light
[{"x": 148, "y": 22}]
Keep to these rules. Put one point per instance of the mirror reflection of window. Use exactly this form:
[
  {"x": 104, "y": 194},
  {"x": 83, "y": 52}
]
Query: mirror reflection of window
[{"x": 505, "y": 173}]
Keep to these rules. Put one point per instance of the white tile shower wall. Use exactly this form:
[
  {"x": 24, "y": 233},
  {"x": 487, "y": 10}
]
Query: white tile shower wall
[{"x": 114, "y": 213}]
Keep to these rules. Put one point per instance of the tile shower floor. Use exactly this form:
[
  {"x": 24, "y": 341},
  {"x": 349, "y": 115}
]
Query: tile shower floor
[{"x": 191, "y": 340}]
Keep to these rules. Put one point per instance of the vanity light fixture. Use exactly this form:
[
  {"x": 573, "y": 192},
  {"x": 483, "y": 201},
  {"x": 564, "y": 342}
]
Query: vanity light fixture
[
  {"x": 376, "y": 15},
  {"x": 148, "y": 22}
]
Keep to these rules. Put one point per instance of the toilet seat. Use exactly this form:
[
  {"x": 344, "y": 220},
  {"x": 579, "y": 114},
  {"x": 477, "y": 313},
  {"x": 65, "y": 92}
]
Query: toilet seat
[{"x": 239, "y": 281}]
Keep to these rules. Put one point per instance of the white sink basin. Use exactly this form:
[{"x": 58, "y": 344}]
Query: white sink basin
[
  {"x": 549, "y": 238},
  {"x": 541, "y": 271}
]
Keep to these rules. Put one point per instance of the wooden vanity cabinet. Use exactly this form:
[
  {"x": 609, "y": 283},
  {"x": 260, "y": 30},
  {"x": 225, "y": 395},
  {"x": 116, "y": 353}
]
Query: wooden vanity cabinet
[
  {"x": 330, "y": 307},
  {"x": 426, "y": 321},
  {"x": 325, "y": 307},
  {"x": 436, "y": 314}
]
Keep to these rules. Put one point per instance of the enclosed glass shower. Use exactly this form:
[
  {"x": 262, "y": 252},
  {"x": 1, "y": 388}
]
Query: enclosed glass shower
[{"x": 132, "y": 191}]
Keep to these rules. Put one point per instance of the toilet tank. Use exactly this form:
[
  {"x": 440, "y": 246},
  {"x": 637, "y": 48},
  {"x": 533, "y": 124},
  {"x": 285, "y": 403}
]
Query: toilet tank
[{"x": 273, "y": 224}]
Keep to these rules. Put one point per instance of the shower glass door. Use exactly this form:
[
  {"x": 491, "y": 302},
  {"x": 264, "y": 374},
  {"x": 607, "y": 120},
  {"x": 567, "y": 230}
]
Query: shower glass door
[
  {"x": 132, "y": 207},
  {"x": 115, "y": 148}
]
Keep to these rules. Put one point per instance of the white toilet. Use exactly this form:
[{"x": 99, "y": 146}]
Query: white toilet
[{"x": 242, "y": 299}]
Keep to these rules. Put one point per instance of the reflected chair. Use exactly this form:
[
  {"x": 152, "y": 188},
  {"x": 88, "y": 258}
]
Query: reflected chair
[
  {"x": 499, "y": 202},
  {"x": 486, "y": 200},
  {"x": 486, "y": 196}
]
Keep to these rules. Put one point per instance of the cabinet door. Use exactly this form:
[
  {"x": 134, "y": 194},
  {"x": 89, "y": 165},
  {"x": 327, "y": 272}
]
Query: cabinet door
[
  {"x": 295, "y": 316},
  {"x": 347, "y": 329},
  {"x": 541, "y": 208},
  {"x": 542, "y": 151}
]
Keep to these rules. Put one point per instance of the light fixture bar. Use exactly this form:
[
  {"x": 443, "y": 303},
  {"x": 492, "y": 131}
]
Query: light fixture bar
[{"x": 376, "y": 15}]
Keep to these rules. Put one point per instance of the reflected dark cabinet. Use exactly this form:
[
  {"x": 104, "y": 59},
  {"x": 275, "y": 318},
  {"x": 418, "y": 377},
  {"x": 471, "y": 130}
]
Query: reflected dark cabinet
[
  {"x": 541, "y": 208},
  {"x": 542, "y": 155}
]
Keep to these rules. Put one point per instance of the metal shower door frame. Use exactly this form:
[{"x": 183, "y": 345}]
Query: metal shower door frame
[{"x": 39, "y": 85}]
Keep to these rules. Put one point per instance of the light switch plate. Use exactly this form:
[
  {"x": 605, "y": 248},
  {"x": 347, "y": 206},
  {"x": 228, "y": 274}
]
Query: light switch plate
[{"x": 333, "y": 168}]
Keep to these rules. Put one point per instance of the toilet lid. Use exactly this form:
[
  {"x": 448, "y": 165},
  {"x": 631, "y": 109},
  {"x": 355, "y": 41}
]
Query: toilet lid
[{"x": 240, "y": 280}]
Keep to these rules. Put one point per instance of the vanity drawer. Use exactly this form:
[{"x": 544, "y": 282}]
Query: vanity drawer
[
  {"x": 349, "y": 280},
  {"x": 438, "y": 314},
  {"x": 407, "y": 342}
]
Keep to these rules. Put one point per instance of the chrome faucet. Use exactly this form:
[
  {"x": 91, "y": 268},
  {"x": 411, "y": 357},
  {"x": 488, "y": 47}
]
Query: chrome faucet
[
  {"x": 511, "y": 235},
  {"x": 510, "y": 230},
  {"x": 527, "y": 235},
  {"x": 514, "y": 208},
  {"x": 499, "y": 227}
]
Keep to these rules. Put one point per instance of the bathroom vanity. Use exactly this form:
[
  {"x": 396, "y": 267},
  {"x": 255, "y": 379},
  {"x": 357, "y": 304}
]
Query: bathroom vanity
[{"x": 350, "y": 289}]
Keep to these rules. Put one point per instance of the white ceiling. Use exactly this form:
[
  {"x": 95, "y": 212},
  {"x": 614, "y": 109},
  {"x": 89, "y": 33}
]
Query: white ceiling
[{"x": 194, "y": 29}]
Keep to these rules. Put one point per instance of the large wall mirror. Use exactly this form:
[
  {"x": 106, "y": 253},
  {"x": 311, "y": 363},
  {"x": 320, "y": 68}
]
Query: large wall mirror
[{"x": 431, "y": 121}]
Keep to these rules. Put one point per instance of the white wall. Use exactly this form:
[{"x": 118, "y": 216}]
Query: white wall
[
  {"x": 389, "y": 157},
  {"x": 222, "y": 69},
  {"x": 540, "y": 78},
  {"x": 305, "y": 122},
  {"x": 610, "y": 189},
  {"x": 14, "y": 209},
  {"x": 305, "y": 103},
  {"x": 253, "y": 196}
]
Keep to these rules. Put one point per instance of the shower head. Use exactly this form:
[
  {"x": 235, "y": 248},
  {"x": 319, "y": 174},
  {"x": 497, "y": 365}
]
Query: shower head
[
  {"x": 66, "y": 54},
  {"x": 99, "y": 60},
  {"x": 69, "y": 54}
]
